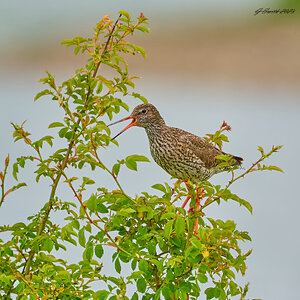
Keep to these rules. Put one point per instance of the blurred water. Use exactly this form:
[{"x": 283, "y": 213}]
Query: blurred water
[{"x": 258, "y": 117}]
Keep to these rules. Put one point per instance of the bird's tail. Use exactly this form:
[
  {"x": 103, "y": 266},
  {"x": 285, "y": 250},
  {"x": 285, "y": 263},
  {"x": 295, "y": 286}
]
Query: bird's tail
[{"x": 238, "y": 160}]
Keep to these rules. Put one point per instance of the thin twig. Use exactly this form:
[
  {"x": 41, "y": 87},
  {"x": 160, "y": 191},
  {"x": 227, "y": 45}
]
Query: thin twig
[
  {"x": 3, "y": 194},
  {"x": 208, "y": 202},
  {"x": 90, "y": 219},
  {"x": 64, "y": 164}
]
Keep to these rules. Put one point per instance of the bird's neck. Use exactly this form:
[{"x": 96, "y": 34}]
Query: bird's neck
[{"x": 155, "y": 130}]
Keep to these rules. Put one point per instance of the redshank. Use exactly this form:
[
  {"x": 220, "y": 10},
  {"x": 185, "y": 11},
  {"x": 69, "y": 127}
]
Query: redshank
[{"x": 181, "y": 154}]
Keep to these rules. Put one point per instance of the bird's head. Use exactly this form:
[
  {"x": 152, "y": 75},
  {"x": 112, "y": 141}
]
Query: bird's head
[{"x": 143, "y": 115}]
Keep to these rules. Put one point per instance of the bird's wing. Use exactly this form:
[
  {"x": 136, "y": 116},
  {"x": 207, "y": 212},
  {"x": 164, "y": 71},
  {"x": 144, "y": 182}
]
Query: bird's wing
[{"x": 202, "y": 149}]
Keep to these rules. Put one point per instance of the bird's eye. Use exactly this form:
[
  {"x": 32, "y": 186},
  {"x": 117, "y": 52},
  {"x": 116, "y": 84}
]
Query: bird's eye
[{"x": 144, "y": 111}]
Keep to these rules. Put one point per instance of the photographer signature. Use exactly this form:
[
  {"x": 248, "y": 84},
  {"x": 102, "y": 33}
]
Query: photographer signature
[{"x": 265, "y": 11}]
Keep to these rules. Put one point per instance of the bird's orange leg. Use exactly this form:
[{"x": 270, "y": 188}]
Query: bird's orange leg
[
  {"x": 185, "y": 201},
  {"x": 187, "y": 198},
  {"x": 199, "y": 197},
  {"x": 188, "y": 195}
]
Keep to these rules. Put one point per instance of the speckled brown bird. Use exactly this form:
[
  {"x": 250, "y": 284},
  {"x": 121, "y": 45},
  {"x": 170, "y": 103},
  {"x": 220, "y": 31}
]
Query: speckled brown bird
[{"x": 181, "y": 154}]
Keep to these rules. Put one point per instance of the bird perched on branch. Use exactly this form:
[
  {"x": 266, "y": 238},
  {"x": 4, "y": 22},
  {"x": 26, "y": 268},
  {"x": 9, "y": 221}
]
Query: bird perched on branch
[{"x": 181, "y": 154}]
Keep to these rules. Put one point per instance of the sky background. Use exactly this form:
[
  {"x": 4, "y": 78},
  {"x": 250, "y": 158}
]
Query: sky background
[{"x": 207, "y": 62}]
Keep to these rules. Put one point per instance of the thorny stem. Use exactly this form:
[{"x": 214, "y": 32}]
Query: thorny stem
[
  {"x": 106, "y": 169},
  {"x": 63, "y": 166},
  {"x": 105, "y": 48},
  {"x": 18, "y": 275},
  {"x": 208, "y": 202}
]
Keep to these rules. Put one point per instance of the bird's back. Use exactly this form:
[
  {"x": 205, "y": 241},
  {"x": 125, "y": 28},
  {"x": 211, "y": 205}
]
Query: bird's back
[{"x": 185, "y": 155}]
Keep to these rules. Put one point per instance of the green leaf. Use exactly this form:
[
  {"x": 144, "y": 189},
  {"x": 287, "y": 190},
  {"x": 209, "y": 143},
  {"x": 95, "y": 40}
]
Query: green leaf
[
  {"x": 15, "y": 170},
  {"x": 202, "y": 278},
  {"x": 275, "y": 168},
  {"x": 81, "y": 237},
  {"x": 131, "y": 164},
  {"x": 102, "y": 208},
  {"x": 126, "y": 212},
  {"x": 210, "y": 293},
  {"x": 19, "y": 288},
  {"x": 19, "y": 185},
  {"x": 99, "y": 251},
  {"x": 101, "y": 295},
  {"x": 166, "y": 292},
  {"x": 87, "y": 180},
  {"x": 168, "y": 229},
  {"x": 131, "y": 160},
  {"x": 143, "y": 265},
  {"x": 141, "y": 285},
  {"x": 159, "y": 187},
  {"x": 92, "y": 203},
  {"x": 116, "y": 169},
  {"x": 56, "y": 124},
  {"x": 89, "y": 252},
  {"x": 76, "y": 50},
  {"x": 118, "y": 266},
  {"x": 136, "y": 157},
  {"x": 135, "y": 297},
  {"x": 137, "y": 95},
  {"x": 63, "y": 132},
  {"x": 179, "y": 226},
  {"x": 42, "y": 93},
  {"x": 125, "y": 14},
  {"x": 48, "y": 139},
  {"x": 196, "y": 243},
  {"x": 133, "y": 264},
  {"x": 143, "y": 29},
  {"x": 48, "y": 245}
]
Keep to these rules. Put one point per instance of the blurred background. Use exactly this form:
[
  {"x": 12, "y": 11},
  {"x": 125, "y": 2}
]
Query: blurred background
[{"x": 207, "y": 61}]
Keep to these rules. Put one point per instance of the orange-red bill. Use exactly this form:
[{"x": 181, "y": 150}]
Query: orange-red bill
[{"x": 127, "y": 127}]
